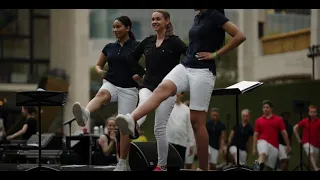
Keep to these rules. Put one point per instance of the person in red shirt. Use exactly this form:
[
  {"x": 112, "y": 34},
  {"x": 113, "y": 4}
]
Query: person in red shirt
[
  {"x": 265, "y": 139},
  {"x": 311, "y": 144}
]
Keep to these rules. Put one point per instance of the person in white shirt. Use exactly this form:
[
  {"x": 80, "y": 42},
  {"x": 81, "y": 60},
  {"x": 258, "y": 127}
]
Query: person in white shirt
[{"x": 179, "y": 129}]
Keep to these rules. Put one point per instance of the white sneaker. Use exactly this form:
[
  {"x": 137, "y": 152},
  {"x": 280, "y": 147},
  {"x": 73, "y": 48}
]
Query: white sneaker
[
  {"x": 126, "y": 124},
  {"x": 120, "y": 167},
  {"x": 198, "y": 169},
  {"x": 81, "y": 114}
]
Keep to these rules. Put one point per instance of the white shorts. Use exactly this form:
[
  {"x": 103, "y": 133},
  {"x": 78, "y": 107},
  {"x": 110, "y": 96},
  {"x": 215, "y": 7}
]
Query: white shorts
[
  {"x": 213, "y": 155},
  {"x": 242, "y": 154},
  {"x": 282, "y": 152},
  {"x": 271, "y": 152},
  {"x": 313, "y": 149},
  {"x": 200, "y": 83},
  {"x": 190, "y": 157},
  {"x": 127, "y": 98}
]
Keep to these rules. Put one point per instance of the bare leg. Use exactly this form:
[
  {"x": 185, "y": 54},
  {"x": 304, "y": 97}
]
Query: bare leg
[
  {"x": 198, "y": 120},
  {"x": 212, "y": 166},
  {"x": 284, "y": 164},
  {"x": 313, "y": 161},
  {"x": 166, "y": 89},
  {"x": 82, "y": 115},
  {"x": 102, "y": 97},
  {"x": 188, "y": 166}
]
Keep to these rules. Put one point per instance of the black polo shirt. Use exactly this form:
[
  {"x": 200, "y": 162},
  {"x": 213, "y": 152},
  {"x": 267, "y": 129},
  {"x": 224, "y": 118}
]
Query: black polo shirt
[
  {"x": 241, "y": 136},
  {"x": 289, "y": 129},
  {"x": 120, "y": 72},
  {"x": 214, "y": 132},
  {"x": 159, "y": 60},
  {"x": 205, "y": 35}
]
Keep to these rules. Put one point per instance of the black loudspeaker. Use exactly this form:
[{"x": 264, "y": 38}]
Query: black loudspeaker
[
  {"x": 143, "y": 156},
  {"x": 239, "y": 168}
]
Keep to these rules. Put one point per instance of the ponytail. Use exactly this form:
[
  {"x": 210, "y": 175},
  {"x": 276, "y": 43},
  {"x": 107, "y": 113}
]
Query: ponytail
[
  {"x": 169, "y": 30},
  {"x": 131, "y": 35}
]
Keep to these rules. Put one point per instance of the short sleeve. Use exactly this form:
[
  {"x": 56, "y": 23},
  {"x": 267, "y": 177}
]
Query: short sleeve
[
  {"x": 282, "y": 126},
  {"x": 250, "y": 131},
  {"x": 257, "y": 126},
  {"x": 223, "y": 127},
  {"x": 302, "y": 123},
  {"x": 105, "y": 49},
  {"x": 219, "y": 19},
  {"x": 235, "y": 127},
  {"x": 180, "y": 46}
]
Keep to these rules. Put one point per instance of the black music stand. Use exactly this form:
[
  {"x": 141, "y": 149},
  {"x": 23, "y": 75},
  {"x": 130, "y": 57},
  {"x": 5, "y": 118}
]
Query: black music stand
[
  {"x": 69, "y": 123},
  {"x": 40, "y": 98},
  {"x": 236, "y": 90},
  {"x": 300, "y": 106}
]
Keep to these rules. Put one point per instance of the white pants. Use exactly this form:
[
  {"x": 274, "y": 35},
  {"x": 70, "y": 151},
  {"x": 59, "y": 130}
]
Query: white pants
[
  {"x": 264, "y": 147},
  {"x": 162, "y": 115},
  {"x": 242, "y": 154},
  {"x": 213, "y": 155},
  {"x": 127, "y": 98},
  {"x": 200, "y": 83},
  {"x": 313, "y": 149},
  {"x": 190, "y": 157},
  {"x": 282, "y": 152}
]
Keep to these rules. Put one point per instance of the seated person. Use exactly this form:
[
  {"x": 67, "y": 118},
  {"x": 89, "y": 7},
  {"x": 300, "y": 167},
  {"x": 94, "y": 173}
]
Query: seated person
[
  {"x": 108, "y": 153},
  {"x": 30, "y": 125}
]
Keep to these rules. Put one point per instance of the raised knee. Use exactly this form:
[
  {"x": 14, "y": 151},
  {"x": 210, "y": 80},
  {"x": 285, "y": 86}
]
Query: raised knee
[
  {"x": 102, "y": 95},
  {"x": 166, "y": 89}
]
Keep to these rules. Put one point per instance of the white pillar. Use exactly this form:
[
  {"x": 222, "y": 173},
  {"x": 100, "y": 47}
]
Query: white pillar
[
  {"x": 251, "y": 48},
  {"x": 69, "y": 51},
  {"x": 315, "y": 37}
]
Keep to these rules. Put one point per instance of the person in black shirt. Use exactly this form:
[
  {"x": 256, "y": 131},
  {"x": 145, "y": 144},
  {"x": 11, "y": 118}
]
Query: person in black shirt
[
  {"x": 30, "y": 125},
  {"x": 109, "y": 145},
  {"x": 241, "y": 137},
  {"x": 196, "y": 73},
  {"x": 162, "y": 53},
  {"x": 216, "y": 131},
  {"x": 118, "y": 85},
  {"x": 283, "y": 156}
]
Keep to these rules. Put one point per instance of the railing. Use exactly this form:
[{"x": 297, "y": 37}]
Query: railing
[{"x": 278, "y": 23}]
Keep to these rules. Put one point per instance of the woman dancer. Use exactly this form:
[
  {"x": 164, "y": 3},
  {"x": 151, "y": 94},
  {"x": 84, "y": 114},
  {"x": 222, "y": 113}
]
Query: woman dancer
[
  {"x": 162, "y": 53},
  {"x": 118, "y": 84},
  {"x": 197, "y": 73}
]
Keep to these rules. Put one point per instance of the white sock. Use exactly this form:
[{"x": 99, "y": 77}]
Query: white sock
[{"x": 122, "y": 161}]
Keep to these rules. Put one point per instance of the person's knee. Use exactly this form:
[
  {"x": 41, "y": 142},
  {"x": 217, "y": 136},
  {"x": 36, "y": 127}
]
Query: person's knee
[
  {"x": 165, "y": 89},
  {"x": 160, "y": 131},
  {"x": 198, "y": 120},
  {"x": 103, "y": 95}
]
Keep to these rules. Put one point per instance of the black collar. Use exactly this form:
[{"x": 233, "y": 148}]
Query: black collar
[{"x": 125, "y": 43}]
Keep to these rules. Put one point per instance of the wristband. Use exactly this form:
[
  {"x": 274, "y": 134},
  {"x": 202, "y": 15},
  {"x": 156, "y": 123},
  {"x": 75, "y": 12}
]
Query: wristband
[
  {"x": 214, "y": 55},
  {"x": 103, "y": 73}
]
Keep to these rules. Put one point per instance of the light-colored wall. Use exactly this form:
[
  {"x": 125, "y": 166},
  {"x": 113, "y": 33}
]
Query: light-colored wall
[
  {"x": 252, "y": 65},
  {"x": 289, "y": 63}
]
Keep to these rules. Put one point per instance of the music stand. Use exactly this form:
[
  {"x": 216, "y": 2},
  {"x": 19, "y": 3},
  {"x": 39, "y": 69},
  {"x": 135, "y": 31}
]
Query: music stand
[
  {"x": 69, "y": 123},
  {"x": 236, "y": 90},
  {"x": 40, "y": 98}
]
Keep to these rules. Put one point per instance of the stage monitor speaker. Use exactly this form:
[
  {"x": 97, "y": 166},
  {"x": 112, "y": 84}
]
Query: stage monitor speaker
[
  {"x": 241, "y": 168},
  {"x": 143, "y": 156}
]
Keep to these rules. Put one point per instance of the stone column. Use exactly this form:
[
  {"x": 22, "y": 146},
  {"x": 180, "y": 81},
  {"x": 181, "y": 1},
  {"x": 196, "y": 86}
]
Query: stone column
[{"x": 69, "y": 51}]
